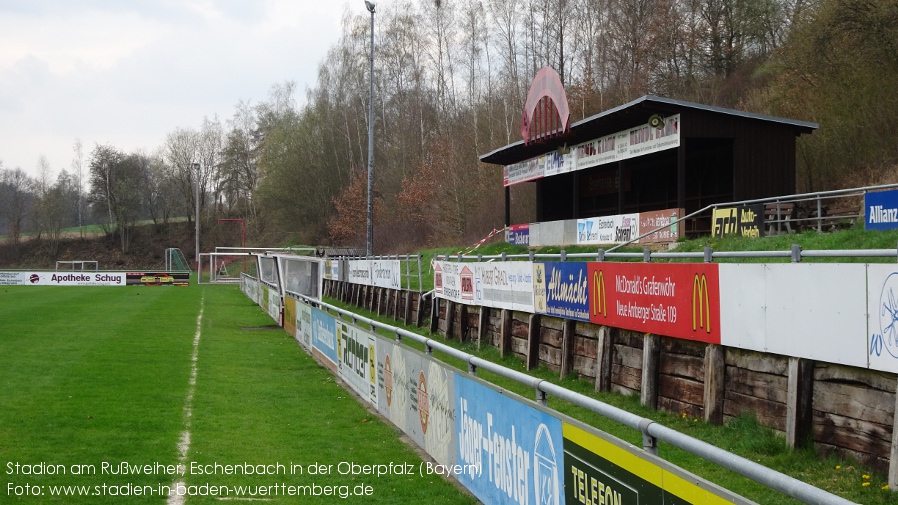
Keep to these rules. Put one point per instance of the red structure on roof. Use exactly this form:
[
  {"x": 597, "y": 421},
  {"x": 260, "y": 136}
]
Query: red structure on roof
[{"x": 546, "y": 113}]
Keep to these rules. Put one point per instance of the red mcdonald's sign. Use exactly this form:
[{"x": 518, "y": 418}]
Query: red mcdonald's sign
[{"x": 674, "y": 300}]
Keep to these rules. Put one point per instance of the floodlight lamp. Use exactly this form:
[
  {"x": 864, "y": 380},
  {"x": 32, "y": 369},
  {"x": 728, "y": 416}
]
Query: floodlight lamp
[{"x": 369, "y": 6}]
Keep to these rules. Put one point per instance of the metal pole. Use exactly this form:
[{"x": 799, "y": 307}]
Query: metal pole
[
  {"x": 196, "y": 166},
  {"x": 370, "y": 242}
]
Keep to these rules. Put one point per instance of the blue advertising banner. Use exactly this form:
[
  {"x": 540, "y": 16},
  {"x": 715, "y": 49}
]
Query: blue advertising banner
[
  {"x": 561, "y": 289},
  {"x": 508, "y": 452},
  {"x": 324, "y": 338},
  {"x": 881, "y": 210},
  {"x": 519, "y": 234}
]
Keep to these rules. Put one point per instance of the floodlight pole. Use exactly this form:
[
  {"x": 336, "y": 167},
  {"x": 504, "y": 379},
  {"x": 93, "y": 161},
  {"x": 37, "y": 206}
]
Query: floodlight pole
[
  {"x": 370, "y": 241},
  {"x": 196, "y": 167}
]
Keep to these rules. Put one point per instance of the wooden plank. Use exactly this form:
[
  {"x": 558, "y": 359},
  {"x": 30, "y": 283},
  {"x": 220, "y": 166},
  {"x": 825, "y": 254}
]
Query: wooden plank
[
  {"x": 483, "y": 320},
  {"x": 623, "y": 390},
  {"x": 841, "y": 373},
  {"x": 604, "y": 354},
  {"x": 680, "y": 389},
  {"x": 854, "y": 401},
  {"x": 651, "y": 358},
  {"x": 519, "y": 329},
  {"x": 407, "y": 305},
  {"x": 893, "y": 450},
  {"x": 854, "y": 434},
  {"x": 587, "y": 330},
  {"x": 584, "y": 346},
  {"x": 505, "y": 333},
  {"x": 464, "y": 323},
  {"x": 866, "y": 459},
  {"x": 585, "y": 367},
  {"x": 759, "y": 385},
  {"x": 519, "y": 347},
  {"x": 550, "y": 356},
  {"x": 682, "y": 346},
  {"x": 627, "y": 356},
  {"x": 631, "y": 378},
  {"x": 715, "y": 383},
  {"x": 567, "y": 348},
  {"x": 533, "y": 331},
  {"x": 552, "y": 323},
  {"x": 768, "y": 413},
  {"x": 758, "y": 362},
  {"x": 799, "y": 394},
  {"x": 550, "y": 336},
  {"x": 449, "y": 320},
  {"x": 671, "y": 405},
  {"x": 682, "y": 365}
]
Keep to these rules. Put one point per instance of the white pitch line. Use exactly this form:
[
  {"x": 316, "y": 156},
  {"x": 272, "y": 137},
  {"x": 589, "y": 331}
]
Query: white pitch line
[{"x": 184, "y": 442}]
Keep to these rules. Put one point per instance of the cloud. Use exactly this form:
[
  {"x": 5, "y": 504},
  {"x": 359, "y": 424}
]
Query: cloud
[{"x": 127, "y": 73}]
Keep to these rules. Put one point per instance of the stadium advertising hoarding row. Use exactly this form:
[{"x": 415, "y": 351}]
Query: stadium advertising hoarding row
[
  {"x": 680, "y": 300},
  {"x": 836, "y": 313},
  {"x": 63, "y": 278},
  {"x": 505, "y": 449},
  {"x": 35, "y": 278},
  {"x": 660, "y": 227},
  {"x": 626, "y": 144},
  {"x": 379, "y": 273},
  {"x": 501, "y": 284}
]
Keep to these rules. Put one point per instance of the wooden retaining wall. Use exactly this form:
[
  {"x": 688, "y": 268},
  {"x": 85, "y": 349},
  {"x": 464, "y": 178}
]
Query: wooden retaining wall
[{"x": 846, "y": 410}]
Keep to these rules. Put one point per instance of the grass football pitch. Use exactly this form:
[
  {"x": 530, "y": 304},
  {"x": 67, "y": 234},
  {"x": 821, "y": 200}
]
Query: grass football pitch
[{"x": 132, "y": 394}]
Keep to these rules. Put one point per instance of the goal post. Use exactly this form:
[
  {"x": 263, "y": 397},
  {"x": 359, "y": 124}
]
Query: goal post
[{"x": 224, "y": 268}]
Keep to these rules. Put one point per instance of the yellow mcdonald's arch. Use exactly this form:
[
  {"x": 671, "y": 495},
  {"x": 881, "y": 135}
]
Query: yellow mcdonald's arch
[
  {"x": 599, "y": 302},
  {"x": 701, "y": 304}
]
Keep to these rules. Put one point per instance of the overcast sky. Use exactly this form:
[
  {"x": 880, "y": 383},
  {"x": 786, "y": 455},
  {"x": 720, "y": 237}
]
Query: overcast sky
[{"x": 127, "y": 72}]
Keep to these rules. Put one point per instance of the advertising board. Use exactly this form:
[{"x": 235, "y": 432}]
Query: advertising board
[
  {"x": 518, "y": 234},
  {"x": 324, "y": 339},
  {"x": 881, "y": 210},
  {"x": 62, "y": 279},
  {"x": 357, "y": 365},
  {"x": 561, "y": 289},
  {"x": 608, "y": 229},
  {"x": 743, "y": 221},
  {"x": 675, "y": 300},
  {"x": 380, "y": 273},
  {"x": 500, "y": 284},
  {"x": 508, "y": 451}
]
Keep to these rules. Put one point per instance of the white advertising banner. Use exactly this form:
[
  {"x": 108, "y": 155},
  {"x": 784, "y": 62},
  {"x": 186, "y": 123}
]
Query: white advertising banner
[
  {"x": 607, "y": 230},
  {"x": 358, "y": 360},
  {"x": 808, "y": 310},
  {"x": 626, "y": 144},
  {"x": 558, "y": 163},
  {"x": 380, "y": 273},
  {"x": 524, "y": 171},
  {"x": 501, "y": 285},
  {"x": 882, "y": 313},
  {"x": 62, "y": 279}
]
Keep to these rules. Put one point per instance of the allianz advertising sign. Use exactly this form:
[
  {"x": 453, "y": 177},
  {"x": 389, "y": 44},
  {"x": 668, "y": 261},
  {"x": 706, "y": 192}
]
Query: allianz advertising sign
[{"x": 881, "y": 210}]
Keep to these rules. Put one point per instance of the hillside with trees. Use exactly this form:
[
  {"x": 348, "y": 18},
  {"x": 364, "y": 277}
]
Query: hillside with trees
[{"x": 450, "y": 81}]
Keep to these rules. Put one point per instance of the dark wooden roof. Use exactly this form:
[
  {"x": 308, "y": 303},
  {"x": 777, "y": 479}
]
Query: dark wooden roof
[{"x": 627, "y": 116}]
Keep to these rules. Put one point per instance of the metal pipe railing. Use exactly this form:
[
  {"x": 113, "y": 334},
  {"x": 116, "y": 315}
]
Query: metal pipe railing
[{"x": 652, "y": 431}]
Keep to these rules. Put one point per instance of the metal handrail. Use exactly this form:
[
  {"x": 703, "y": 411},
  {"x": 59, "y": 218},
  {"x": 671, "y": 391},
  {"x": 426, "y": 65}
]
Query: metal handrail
[
  {"x": 652, "y": 431},
  {"x": 796, "y": 253}
]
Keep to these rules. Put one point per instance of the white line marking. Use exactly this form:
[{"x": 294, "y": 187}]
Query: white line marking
[{"x": 184, "y": 442}]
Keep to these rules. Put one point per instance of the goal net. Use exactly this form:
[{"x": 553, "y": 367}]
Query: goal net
[
  {"x": 175, "y": 261},
  {"x": 224, "y": 268}
]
